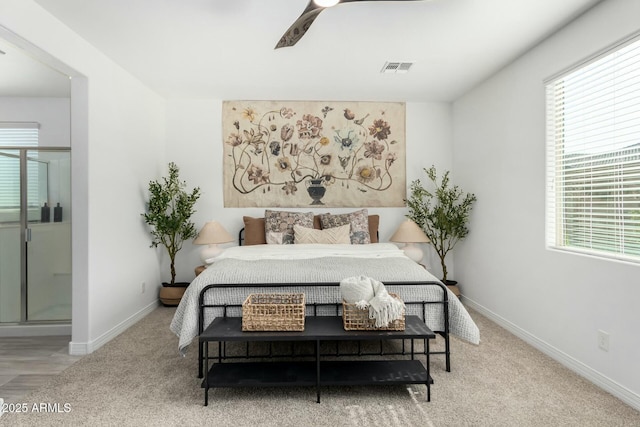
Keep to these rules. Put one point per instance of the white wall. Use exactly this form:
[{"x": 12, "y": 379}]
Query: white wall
[
  {"x": 53, "y": 114},
  {"x": 555, "y": 300},
  {"x": 194, "y": 138},
  {"x": 118, "y": 145}
]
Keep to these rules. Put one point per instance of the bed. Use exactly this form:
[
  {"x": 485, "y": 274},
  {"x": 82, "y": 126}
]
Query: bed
[{"x": 316, "y": 270}]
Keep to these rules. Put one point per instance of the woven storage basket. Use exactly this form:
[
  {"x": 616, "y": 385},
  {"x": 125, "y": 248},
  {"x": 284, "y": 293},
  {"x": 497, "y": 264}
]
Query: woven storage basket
[
  {"x": 273, "y": 312},
  {"x": 356, "y": 319}
]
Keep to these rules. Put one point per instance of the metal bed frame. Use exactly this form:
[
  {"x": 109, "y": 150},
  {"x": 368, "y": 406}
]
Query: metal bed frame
[{"x": 202, "y": 306}]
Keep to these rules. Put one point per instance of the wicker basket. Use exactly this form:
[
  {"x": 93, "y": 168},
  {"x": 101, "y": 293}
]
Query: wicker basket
[
  {"x": 356, "y": 319},
  {"x": 273, "y": 312}
]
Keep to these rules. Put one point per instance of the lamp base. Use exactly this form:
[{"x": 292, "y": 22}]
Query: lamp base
[
  {"x": 412, "y": 251},
  {"x": 211, "y": 251}
]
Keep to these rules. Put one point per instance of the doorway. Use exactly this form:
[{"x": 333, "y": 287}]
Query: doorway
[{"x": 35, "y": 235}]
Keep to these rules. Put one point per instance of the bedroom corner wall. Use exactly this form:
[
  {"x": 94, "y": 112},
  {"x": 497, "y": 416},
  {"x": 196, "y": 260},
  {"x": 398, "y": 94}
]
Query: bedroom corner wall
[
  {"x": 118, "y": 145},
  {"x": 194, "y": 142},
  {"x": 556, "y": 301}
]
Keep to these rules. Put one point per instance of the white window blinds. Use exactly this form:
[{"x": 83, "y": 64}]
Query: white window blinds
[
  {"x": 19, "y": 134},
  {"x": 593, "y": 156},
  {"x": 16, "y": 135}
]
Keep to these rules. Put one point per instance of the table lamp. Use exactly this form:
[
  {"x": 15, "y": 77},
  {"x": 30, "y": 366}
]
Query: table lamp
[
  {"x": 212, "y": 234},
  {"x": 409, "y": 233}
]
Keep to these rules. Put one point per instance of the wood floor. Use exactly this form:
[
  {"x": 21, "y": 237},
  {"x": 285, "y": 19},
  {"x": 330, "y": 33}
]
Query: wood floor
[{"x": 26, "y": 363}]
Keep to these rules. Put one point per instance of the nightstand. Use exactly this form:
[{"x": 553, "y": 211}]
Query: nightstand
[
  {"x": 452, "y": 288},
  {"x": 199, "y": 269}
]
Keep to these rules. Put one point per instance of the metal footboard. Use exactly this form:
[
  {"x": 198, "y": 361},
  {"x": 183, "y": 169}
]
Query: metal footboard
[{"x": 314, "y": 308}]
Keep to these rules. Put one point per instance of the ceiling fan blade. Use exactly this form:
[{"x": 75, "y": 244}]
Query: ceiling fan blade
[{"x": 300, "y": 26}]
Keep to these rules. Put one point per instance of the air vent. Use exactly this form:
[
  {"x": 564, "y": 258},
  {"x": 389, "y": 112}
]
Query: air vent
[{"x": 396, "y": 67}]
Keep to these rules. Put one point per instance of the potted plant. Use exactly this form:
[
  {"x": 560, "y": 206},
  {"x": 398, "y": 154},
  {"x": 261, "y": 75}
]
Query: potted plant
[
  {"x": 168, "y": 215},
  {"x": 442, "y": 213}
]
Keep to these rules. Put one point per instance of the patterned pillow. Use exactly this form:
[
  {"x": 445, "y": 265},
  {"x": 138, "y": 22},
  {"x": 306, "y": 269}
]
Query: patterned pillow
[
  {"x": 283, "y": 222},
  {"x": 359, "y": 221},
  {"x": 274, "y": 237},
  {"x": 330, "y": 236}
]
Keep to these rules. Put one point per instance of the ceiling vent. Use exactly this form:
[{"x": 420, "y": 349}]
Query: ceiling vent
[{"x": 396, "y": 67}]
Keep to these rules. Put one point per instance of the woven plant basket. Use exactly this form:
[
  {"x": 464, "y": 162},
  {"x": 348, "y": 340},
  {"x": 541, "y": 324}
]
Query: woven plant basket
[
  {"x": 273, "y": 312},
  {"x": 356, "y": 319}
]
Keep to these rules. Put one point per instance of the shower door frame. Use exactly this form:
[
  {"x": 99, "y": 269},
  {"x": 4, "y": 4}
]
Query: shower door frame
[{"x": 24, "y": 234}]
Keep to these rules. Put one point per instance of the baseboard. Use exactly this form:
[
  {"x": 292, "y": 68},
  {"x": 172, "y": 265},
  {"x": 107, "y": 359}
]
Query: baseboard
[
  {"x": 629, "y": 397},
  {"x": 35, "y": 330},
  {"x": 83, "y": 348}
]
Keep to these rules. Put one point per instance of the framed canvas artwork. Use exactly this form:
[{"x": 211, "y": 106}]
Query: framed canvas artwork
[{"x": 310, "y": 153}]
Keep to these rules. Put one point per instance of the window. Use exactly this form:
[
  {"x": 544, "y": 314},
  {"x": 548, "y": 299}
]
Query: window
[
  {"x": 593, "y": 156},
  {"x": 18, "y": 135}
]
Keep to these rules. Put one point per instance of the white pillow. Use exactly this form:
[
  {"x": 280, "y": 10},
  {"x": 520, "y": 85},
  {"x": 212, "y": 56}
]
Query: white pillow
[{"x": 331, "y": 235}]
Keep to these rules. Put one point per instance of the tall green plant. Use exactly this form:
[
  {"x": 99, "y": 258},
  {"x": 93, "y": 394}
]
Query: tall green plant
[
  {"x": 442, "y": 212},
  {"x": 168, "y": 214}
]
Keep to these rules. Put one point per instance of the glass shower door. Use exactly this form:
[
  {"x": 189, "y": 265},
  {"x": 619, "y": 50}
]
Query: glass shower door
[{"x": 48, "y": 235}]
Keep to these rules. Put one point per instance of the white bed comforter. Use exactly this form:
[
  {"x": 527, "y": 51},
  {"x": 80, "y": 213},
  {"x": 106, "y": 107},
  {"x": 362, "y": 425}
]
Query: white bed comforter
[{"x": 260, "y": 268}]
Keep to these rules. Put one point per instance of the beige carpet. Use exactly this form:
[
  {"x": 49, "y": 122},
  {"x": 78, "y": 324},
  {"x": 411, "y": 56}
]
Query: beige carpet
[{"x": 139, "y": 379}]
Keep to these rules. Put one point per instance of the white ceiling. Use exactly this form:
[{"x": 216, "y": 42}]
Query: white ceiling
[
  {"x": 22, "y": 75},
  {"x": 225, "y": 48}
]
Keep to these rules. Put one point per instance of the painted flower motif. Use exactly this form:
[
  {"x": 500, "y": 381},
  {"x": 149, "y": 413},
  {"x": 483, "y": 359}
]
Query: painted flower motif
[
  {"x": 294, "y": 150},
  {"x": 234, "y": 140},
  {"x": 249, "y": 114},
  {"x": 328, "y": 178},
  {"x": 380, "y": 129},
  {"x": 253, "y": 137},
  {"x": 286, "y": 132},
  {"x": 365, "y": 174},
  {"x": 257, "y": 175},
  {"x": 391, "y": 157},
  {"x": 344, "y": 161},
  {"x": 287, "y": 113},
  {"x": 309, "y": 127},
  {"x": 290, "y": 187},
  {"x": 273, "y": 128},
  {"x": 274, "y": 146},
  {"x": 325, "y": 160},
  {"x": 373, "y": 149},
  {"x": 283, "y": 164},
  {"x": 324, "y": 140},
  {"x": 346, "y": 143},
  {"x": 348, "y": 114}
]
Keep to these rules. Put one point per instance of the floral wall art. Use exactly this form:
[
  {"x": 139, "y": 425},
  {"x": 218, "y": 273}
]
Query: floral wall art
[{"x": 305, "y": 154}]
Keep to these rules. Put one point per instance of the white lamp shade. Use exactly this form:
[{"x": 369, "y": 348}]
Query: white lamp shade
[
  {"x": 409, "y": 232},
  {"x": 212, "y": 233}
]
